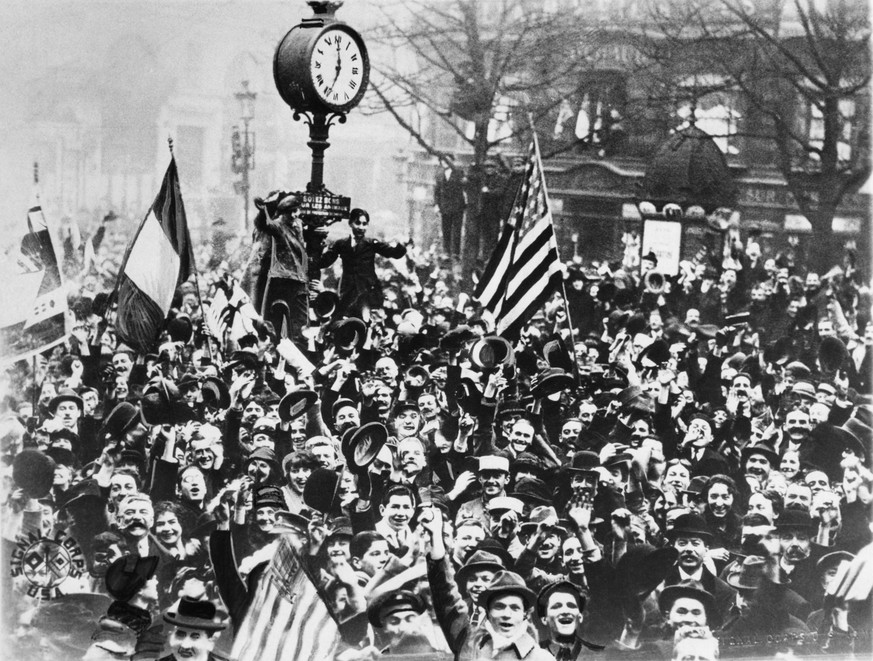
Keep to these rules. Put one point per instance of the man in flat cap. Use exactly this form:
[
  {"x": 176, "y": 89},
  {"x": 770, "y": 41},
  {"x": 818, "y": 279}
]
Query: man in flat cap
[
  {"x": 506, "y": 633},
  {"x": 397, "y": 620}
]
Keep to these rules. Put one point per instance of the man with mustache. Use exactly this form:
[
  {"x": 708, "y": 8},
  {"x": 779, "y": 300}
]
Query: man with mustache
[
  {"x": 135, "y": 518},
  {"x": 560, "y": 607},
  {"x": 795, "y": 430},
  {"x": 493, "y": 476},
  {"x": 758, "y": 461},
  {"x": 796, "y": 529},
  {"x": 193, "y": 631},
  {"x": 691, "y": 538}
]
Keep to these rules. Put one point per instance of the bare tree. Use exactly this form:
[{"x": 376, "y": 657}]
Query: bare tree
[
  {"x": 802, "y": 69},
  {"x": 471, "y": 65}
]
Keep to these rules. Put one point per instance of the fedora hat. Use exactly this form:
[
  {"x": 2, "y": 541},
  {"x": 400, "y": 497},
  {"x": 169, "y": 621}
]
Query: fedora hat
[
  {"x": 215, "y": 391},
  {"x": 361, "y": 445},
  {"x": 85, "y": 493},
  {"x": 61, "y": 456},
  {"x": 560, "y": 586},
  {"x": 120, "y": 420},
  {"x": 748, "y": 575},
  {"x": 34, "y": 472},
  {"x": 532, "y": 490},
  {"x": 296, "y": 403},
  {"x": 509, "y": 407},
  {"x": 163, "y": 405},
  {"x": 324, "y": 304},
  {"x": 795, "y": 519},
  {"x": 657, "y": 352},
  {"x": 321, "y": 490},
  {"x": 643, "y": 567},
  {"x": 349, "y": 333},
  {"x": 634, "y": 398},
  {"x": 859, "y": 438},
  {"x": 540, "y": 515},
  {"x": 491, "y": 351},
  {"x": 187, "y": 380},
  {"x": 456, "y": 338},
  {"x": 831, "y": 559},
  {"x": 763, "y": 450},
  {"x": 494, "y": 547},
  {"x": 478, "y": 561},
  {"x": 128, "y": 575},
  {"x": 696, "y": 486},
  {"x": 507, "y": 582},
  {"x": 689, "y": 589},
  {"x": 556, "y": 355},
  {"x": 832, "y": 354},
  {"x": 690, "y": 525},
  {"x": 65, "y": 395},
  {"x": 194, "y": 614},
  {"x": 245, "y": 358},
  {"x": 550, "y": 381}
]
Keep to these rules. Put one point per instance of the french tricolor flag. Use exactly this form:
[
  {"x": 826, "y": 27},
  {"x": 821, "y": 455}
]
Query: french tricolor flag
[{"x": 158, "y": 259}]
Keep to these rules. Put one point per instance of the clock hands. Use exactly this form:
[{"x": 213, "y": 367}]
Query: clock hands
[{"x": 339, "y": 65}]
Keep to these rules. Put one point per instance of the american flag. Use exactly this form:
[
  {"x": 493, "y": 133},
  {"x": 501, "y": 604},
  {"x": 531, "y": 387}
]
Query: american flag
[
  {"x": 287, "y": 619},
  {"x": 524, "y": 268}
]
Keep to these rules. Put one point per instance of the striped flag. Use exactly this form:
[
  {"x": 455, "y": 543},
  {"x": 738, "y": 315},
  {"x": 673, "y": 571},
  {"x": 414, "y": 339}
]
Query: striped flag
[
  {"x": 524, "y": 268},
  {"x": 158, "y": 259},
  {"x": 234, "y": 315},
  {"x": 287, "y": 618},
  {"x": 33, "y": 302}
]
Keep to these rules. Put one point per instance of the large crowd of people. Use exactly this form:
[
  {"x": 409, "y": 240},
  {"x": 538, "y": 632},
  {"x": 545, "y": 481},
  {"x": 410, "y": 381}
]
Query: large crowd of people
[{"x": 658, "y": 466}]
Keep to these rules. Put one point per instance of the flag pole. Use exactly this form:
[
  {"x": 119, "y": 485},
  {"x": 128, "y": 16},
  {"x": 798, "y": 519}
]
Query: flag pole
[
  {"x": 193, "y": 266},
  {"x": 563, "y": 285}
]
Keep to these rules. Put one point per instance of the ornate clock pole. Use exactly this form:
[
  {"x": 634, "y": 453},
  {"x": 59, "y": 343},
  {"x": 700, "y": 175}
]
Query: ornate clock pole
[{"x": 321, "y": 69}]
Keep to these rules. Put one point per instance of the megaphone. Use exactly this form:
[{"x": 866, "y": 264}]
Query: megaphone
[{"x": 654, "y": 282}]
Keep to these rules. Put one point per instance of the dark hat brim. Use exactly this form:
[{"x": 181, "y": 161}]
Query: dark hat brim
[
  {"x": 193, "y": 622},
  {"x": 65, "y": 397},
  {"x": 465, "y": 570},
  {"x": 360, "y": 446},
  {"x": 296, "y": 403},
  {"x": 673, "y": 592},
  {"x": 527, "y": 595}
]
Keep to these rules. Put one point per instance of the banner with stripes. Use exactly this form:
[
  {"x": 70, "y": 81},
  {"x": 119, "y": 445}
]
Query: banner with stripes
[
  {"x": 230, "y": 314},
  {"x": 524, "y": 269},
  {"x": 158, "y": 259},
  {"x": 287, "y": 619},
  {"x": 33, "y": 302}
]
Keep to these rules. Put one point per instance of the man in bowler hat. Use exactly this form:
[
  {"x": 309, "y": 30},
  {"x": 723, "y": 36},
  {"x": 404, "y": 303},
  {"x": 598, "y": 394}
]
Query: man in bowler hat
[{"x": 194, "y": 630}]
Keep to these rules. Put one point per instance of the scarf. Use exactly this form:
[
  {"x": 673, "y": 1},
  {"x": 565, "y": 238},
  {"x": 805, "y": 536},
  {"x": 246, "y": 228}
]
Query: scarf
[{"x": 499, "y": 641}]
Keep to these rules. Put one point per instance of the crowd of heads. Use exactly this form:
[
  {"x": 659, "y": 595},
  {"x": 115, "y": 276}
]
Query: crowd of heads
[{"x": 676, "y": 460}]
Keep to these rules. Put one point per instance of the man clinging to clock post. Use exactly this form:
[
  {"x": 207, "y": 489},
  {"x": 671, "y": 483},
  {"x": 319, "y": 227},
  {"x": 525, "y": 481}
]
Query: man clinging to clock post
[{"x": 359, "y": 288}]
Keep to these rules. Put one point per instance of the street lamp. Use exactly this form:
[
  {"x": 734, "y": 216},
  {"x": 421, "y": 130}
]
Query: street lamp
[{"x": 243, "y": 157}]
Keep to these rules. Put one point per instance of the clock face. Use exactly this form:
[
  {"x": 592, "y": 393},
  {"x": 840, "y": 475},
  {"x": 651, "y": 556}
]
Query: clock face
[{"x": 338, "y": 68}]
